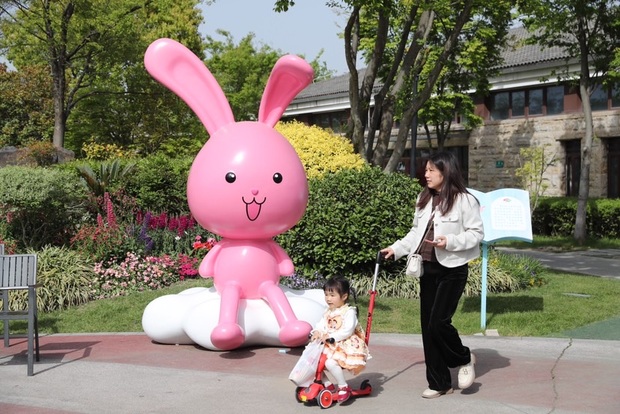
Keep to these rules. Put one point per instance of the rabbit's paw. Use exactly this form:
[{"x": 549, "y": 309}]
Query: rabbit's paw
[
  {"x": 295, "y": 333},
  {"x": 227, "y": 336}
]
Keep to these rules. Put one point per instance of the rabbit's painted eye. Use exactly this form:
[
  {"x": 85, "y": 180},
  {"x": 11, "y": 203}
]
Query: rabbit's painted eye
[
  {"x": 277, "y": 178},
  {"x": 231, "y": 177}
]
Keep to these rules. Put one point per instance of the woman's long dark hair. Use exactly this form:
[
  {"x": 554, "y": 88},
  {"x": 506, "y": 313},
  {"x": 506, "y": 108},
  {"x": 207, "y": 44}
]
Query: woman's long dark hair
[{"x": 453, "y": 182}]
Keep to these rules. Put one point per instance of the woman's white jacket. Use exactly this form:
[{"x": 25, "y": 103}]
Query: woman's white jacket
[{"x": 462, "y": 227}]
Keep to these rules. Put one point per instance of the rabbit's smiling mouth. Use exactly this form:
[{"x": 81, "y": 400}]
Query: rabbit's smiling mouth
[{"x": 252, "y": 209}]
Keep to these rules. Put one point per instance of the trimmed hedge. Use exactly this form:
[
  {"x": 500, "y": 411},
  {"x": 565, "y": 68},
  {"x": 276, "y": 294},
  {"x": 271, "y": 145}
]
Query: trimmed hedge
[
  {"x": 351, "y": 214},
  {"x": 556, "y": 217},
  {"x": 40, "y": 206}
]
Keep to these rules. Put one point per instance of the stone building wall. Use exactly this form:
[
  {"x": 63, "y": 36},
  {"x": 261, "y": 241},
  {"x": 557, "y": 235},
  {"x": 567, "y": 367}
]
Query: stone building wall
[
  {"x": 18, "y": 156},
  {"x": 494, "y": 150}
]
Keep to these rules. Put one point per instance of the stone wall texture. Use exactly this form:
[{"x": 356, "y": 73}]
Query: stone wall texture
[
  {"x": 17, "y": 156},
  {"x": 494, "y": 150}
]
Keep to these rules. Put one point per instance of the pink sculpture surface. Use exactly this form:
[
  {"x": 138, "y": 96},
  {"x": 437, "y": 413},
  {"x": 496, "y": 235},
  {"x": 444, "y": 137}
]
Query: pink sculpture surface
[{"x": 246, "y": 185}]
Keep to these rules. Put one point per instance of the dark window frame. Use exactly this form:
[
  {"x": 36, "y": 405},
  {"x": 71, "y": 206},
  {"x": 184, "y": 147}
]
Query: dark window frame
[{"x": 511, "y": 113}]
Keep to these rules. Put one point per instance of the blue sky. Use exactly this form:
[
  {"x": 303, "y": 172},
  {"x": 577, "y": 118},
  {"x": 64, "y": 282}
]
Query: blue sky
[{"x": 304, "y": 29}]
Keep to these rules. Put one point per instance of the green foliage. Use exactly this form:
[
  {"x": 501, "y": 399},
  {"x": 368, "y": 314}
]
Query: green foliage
[
  {"x": 63, "y": 278},
  {"x": 40, "y": 206},
  {"x": 555, "y": 216},
  {"x": 351, "y": 214},
  {"x": 159, "y": 184},
  {"x": 534, "y": 162},
  {"x": 320, "y": 150},
  {"x": 107, "y": 173},
  {"x": 102, "y": 152},
  {"x": 26, "y": 107},
  {"x": 242, "y": 71},
  {"x": 106, "y": 239},
  {"x": 93, "y": 53},
  {"x": 505, "y": 273},
  {"x": 42, "y": 152}
]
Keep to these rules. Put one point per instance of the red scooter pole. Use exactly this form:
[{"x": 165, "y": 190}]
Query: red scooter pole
[{"x": 373, "y": 294}]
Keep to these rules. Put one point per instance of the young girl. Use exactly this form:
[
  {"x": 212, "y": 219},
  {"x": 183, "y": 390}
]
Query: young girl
[{"x": 348, "y": 349}]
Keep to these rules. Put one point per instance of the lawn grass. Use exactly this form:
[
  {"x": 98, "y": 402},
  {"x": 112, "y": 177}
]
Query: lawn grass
[
  {"x": 566, "y": 302},
  {"x": 561, "y": 243}
]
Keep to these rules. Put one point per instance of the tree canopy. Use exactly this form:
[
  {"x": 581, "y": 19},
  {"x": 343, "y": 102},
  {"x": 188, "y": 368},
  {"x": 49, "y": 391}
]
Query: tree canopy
[
  {"x": 589, "y": 33},
  {"x": 94, "y": 54},
  {"x": 407, "y": 47}
]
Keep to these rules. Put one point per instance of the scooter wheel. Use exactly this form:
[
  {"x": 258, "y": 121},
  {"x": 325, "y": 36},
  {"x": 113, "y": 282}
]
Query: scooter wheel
[
  {"x": 298, "y": 391},
  {"x": 365, "y": 384},
  {"x": 325, "y": 399}
]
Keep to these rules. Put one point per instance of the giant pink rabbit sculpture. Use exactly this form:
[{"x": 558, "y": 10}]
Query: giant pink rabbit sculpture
[{"x": 246, "y": 184}]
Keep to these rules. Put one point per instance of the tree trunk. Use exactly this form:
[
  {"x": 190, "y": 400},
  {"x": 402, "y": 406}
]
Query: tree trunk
[
  {"x": 59, "y": 118},
  {"x": 584, "y": 178},
  {"x": 586, "y": 144}
]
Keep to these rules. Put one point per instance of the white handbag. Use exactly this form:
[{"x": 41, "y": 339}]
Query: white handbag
[{"x": 415, "y": 267}]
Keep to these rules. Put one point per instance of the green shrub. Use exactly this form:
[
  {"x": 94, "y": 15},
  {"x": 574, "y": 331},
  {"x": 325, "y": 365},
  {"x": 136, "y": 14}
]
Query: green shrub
[
  {"x": 605, "y": 218},
  {"x": 351, "y": 214},
  {"x": 100, "y": 177},
  {"x": 555, "y": 216},
  {"x": 526, "y": 271},
  {"x": 159, "y": 184},
  {"x": 40, "y": 206},
  {"x": 63, "y": 276},
  {"x": 505, "y": 273}
]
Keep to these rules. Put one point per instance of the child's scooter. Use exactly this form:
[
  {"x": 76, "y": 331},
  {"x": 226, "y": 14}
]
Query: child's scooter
[{"x": 326, "y": 396}]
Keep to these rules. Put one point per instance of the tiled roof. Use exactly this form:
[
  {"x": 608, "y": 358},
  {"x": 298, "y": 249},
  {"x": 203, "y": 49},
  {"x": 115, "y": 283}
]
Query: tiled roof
[
  {"x": 338, "y": 85},
  {"x": 519, "y": 54},
  {"x": 516, "y": 54}
]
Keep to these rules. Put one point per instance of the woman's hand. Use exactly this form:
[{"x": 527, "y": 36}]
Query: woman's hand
[
  {"x": 387, "y": 252},
  {"x": 441, "y": 242}
]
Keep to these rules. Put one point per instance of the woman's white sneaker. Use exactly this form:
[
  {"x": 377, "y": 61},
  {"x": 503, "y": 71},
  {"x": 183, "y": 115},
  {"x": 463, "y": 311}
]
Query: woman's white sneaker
[
  {"x": 467, "y": 373},
  {"x": 428, "y": 393}
]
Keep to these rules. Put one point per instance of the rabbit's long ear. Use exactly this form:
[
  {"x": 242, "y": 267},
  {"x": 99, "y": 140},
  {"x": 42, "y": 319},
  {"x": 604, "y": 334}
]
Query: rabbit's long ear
[
  {"x": 289, "y": 76},
  {"x": 181, "y": 71}
]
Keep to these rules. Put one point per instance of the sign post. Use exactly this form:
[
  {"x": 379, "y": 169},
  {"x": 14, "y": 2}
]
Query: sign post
[{"x": 506, "y": 216}]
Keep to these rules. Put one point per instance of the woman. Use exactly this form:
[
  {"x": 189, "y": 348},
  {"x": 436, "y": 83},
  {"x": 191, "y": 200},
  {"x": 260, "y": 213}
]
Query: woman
[{"x": 448, "y": 229}]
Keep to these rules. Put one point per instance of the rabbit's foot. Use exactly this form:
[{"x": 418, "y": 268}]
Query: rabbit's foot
[
  {"x": 227, "y": 336},
  {"x": 295, "y": 333}
]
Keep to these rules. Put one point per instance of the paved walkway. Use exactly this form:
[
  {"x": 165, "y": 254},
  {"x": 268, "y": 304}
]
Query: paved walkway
[
  {"x": 593, "y": 262},
  {"x": 127, "y": 373}
]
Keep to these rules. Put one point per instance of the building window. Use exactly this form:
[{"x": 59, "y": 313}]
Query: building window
[
  {"x": 530, "y": 102},
  {"x": 573, "y": 167},
  {"x": 336, "y": 121},
  {"x": 535, "y": 104},
  {"x": 555, "y": 100},
  {"x": 423, "y": 154},
  {"x": 500, "y": 105},
  {"x": 613, "y": 168},
  {"x": 603, "y": 99}
]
